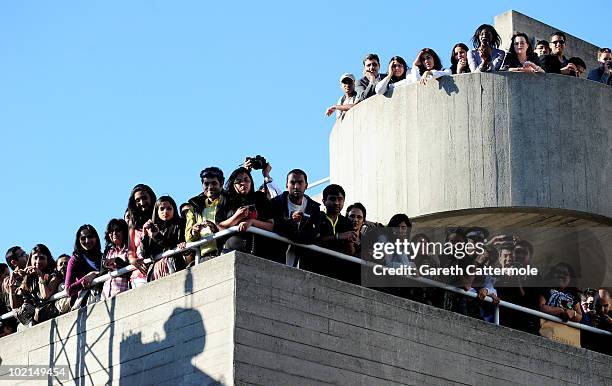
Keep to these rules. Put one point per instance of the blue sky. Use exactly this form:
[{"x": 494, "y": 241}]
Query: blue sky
[{"x": 98, "y": 96}]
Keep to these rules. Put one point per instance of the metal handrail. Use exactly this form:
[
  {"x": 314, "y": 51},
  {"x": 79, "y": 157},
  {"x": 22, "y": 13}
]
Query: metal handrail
[
  {"x": 317, "y": 183},
  {"x": 234, "y": 229}
]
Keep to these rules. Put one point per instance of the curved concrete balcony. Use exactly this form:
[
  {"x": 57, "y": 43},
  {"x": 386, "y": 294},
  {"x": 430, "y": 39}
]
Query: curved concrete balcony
[{"x": 472, "y": 146}]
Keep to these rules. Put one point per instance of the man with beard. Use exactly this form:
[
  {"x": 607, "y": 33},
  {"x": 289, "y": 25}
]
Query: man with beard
[
  {"x": 296, "y": 216},
  {"x": 201, "y": 215}
]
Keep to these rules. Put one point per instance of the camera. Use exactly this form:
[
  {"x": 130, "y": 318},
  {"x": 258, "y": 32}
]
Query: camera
[
  {"x": 258, "y": 162},
  {"x": 609, "y": 64}
]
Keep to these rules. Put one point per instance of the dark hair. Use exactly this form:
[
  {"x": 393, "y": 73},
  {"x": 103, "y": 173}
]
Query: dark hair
[
  {"x": 95, "y": 254},
  {"x": 525, "y": 244},
  {"x": 333, "y": 189},
  {"x": 11, "y": 254},
  {"x": 454, "y": 61},
  {"x": 558, "y": 33},
  {"x": 545, "y": 42},
  {"x": 234, "y": 199},
  {"x": 436, "y": 58},
  {"x": 572, "y": 274},
  {"x": 403, "y": 63},
  {"x": 357, "y": 205},
  {"x": 495, "y": 38},
  {"x": 63, "y": 255},
  {"x": 531, "y": 56},
  {"x": 371, "y": 57},
  {"x": 42, "y": 249},
  {"x": 123, "y": 228},
  {"x": 604, "y": 50},
  {"x": 577, "y": 62},
  {"x": 456, "y": 230},
  {"x": 137, "y": 219},
  {"x": 176, "y": 217},
  {"x": 298, "y": 171},
  {"x": 397, "y": 219},
  {"x": 212, "y": 172},
  {"x": 3, "y": 266}
]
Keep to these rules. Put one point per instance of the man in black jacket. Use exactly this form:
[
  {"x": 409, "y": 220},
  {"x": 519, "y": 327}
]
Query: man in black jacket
[{"x": 296, "y": 216}]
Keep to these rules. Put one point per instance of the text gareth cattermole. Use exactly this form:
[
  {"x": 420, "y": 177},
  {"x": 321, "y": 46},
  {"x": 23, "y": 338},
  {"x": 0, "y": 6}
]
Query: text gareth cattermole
[{"x": 412, "y": 249}]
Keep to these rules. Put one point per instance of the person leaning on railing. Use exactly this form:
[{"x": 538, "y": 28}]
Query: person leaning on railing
[
  {"x": 40, "y": 282},
  {"x": 200, "y": 219},
  {"x": 115, "y": 257},
  {"x": 84, "y": 266},
  {"x": 241, "y": 205},
  {"x": 562, "y": 300},
  {"x": 163, "y": 232},
  {"x": 296, "y": 217},
  {"x": 520, "y": 57}
]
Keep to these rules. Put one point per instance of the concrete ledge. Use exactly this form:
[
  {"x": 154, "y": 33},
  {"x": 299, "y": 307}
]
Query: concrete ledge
[
  {"x": 479, "y": 141},
  {"x": 238, "y": 319}
]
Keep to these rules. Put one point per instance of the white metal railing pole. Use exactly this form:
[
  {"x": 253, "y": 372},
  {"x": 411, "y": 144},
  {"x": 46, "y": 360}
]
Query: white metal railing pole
[{"x": 497, "y": 314}]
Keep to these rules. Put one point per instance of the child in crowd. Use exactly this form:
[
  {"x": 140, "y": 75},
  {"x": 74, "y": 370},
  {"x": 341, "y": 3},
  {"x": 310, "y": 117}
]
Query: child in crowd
[{"x": 164, "y": 231}]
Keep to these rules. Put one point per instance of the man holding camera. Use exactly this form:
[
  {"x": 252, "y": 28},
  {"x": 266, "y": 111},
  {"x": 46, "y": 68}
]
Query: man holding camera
[
  {"x": 602, "y": 73},
  {"x": 296, "y": 216}
]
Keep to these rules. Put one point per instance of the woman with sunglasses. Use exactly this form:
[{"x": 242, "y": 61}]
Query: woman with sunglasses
[
  {"x": 241, "y": 205},
  {"x": 116, "y": 257}
]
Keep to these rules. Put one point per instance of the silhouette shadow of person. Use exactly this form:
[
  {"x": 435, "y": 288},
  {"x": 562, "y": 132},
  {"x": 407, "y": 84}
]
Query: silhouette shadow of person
[{"x": 167, "y": 361}]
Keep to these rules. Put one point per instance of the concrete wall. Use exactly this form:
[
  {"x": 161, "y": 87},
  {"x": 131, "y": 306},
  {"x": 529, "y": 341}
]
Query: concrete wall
[
  {"x": 174, "y": 331},
  {"x": 479, "y": 141},
  {"x": 511, "y": 21},
  {"x": 250, "y": 321}
]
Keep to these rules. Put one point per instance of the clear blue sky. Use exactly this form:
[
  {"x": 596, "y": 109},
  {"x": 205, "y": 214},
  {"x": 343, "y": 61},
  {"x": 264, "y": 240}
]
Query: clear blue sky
[{"x": 97, "y": 96}]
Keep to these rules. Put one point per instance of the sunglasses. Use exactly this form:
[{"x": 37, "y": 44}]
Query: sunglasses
[{"x": 558, "y": 42}]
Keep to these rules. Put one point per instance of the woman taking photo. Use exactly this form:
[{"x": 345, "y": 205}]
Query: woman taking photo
[
  {"x": 485, "y": 57},
  {"x": 397, "y": 71},
  {"x": 520, "y": 57},
  {"x": 241, "y": 205}
]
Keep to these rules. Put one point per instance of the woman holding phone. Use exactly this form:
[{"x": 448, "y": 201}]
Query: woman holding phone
[{"x": 241, "y": 205}]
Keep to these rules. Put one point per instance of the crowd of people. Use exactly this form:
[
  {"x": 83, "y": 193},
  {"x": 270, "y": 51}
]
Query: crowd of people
[
  {"x": 523, "y": 55},
  {"x": 152, "y": 225}
]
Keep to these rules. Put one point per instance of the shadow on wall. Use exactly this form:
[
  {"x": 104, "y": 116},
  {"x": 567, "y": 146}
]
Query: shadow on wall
[{"x": 167, "y": 360}]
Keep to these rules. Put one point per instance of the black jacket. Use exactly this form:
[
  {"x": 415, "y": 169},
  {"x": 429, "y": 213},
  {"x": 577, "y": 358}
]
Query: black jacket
[{"x": 307, "y": 231}]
